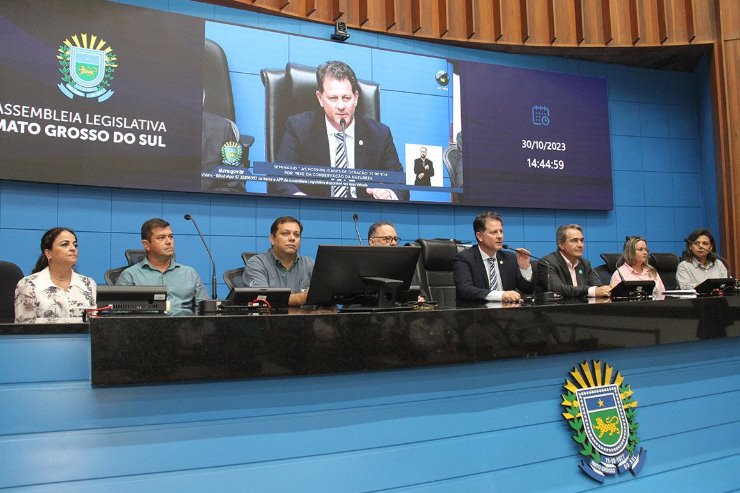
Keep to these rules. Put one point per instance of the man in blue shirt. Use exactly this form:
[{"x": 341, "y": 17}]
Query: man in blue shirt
[
  {"x": 281, "y": 266},
  {"x": 184, "y": 287}
]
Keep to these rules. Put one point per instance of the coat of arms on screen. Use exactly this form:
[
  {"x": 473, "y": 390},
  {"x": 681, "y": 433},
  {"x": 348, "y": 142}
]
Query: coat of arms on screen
[
  {"x": 86, "y": 63},
  {"x": 231, "y": 153},
  {"x": 601, "y": 413}
]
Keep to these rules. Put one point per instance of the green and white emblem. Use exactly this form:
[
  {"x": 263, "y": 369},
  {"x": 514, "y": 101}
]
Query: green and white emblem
[
  {"x": 87, "y": 65},
  {"x": 231, "y": 153},
  {"x": 602, "y": 414}
]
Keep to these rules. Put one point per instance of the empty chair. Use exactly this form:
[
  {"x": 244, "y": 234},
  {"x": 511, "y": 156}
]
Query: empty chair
[
  {"x": 611, "y": 262},
  {"x": 435, "y": 269},
  {"x": 219, "y": 98},
  {"x": 666, "y": 265},
  {"x": 10, "y": 274},
  {"x": 233, "y": 278}
]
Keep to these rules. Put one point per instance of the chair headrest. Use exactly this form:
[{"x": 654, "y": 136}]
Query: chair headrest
[
  {"x": 437, "y": 254},
  {"x": 612, "y": 260},
  {"x": 665, "y": 261}
]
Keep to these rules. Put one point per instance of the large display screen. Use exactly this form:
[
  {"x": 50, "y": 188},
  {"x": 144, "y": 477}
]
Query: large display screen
[{"x": 121, "y": 96}]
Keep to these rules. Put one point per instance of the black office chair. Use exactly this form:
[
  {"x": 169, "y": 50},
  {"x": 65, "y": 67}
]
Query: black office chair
[
  {"x": 293, "y": 90},
  {"x": 219, "y": 97},
  {"x": 112, "y": 275},
  {"x": 233, "y": 278},
  {"x": 247, "y": 255},
  {"x": 453, "y": 161},
  {"x": 134, "y": 256},
  {"x": 435, "y": 269},
  {"x": 10, "y": 274},
  {"x": 666, "y": 265}
]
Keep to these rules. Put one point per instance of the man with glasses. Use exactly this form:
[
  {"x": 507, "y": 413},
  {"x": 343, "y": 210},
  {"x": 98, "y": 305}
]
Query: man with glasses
[
  {"x": 281, "y": 266},
  {"x": 382, "y": 233},
  {"x": 184, "y": 287},
  {"x": 485, "y": 272}
]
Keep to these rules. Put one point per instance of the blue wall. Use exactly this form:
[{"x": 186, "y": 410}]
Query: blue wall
[{"x": 662, "y": 157}]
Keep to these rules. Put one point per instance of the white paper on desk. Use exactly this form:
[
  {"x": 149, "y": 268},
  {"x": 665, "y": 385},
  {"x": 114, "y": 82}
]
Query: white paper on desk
[{"x": 680, "y": 293}]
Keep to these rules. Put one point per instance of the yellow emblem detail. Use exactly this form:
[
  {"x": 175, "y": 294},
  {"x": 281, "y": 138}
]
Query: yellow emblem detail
[{"x": 608, "y": 426}]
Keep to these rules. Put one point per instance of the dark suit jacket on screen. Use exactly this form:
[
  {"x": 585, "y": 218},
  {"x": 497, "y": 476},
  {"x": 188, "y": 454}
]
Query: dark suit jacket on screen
[
  {"x": 419, "y": 167},
  {"x": 305, "y": 142},
  {"x": 560, "y": 280},
  {"x": 471, "y": 276}
]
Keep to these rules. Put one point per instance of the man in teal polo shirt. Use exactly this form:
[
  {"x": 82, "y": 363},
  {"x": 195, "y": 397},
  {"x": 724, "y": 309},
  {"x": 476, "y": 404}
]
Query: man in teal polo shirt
[
  {"x": 281, "y": 266},
  {"x": 184, "y": 287}
]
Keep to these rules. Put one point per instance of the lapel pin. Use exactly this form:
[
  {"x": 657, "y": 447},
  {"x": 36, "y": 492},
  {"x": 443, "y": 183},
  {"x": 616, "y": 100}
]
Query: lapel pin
[{"x": 360, "y": 142}]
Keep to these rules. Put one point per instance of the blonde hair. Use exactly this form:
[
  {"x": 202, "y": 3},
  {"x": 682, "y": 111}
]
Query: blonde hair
[{"x": 630, "y": 254}]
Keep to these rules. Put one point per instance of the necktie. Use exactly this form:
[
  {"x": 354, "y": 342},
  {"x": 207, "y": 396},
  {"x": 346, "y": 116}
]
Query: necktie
[
  {"x": 341, "y": 161},
  {"x": 492, "y": 277}
]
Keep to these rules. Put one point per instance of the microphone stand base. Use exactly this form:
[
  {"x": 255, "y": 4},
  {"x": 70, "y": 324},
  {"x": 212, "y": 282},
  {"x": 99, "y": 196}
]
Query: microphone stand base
[{"x": 549, "y": 296}]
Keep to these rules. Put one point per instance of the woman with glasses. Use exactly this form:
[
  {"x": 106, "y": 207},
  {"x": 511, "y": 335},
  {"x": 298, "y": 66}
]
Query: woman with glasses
[
  {"x": 54, "y": 292},
  {"x": 699, "y": 260},
  {"x": 636, "y": 266}
]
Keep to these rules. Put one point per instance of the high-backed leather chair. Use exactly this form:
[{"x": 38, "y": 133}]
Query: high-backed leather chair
[
  {"x": 611, "y": 262},
  {"x": 134, "y": 256},
  {"x": 293, "y": 90},
  {"x": 219, "y": 98},
  {"x": 435, "y": 269},
  {"x": 233, "y": 278},
  {"x": 666, "y": 265},
  {"x": 112, "y": 275},
  {"x": 10, "y": 274}
]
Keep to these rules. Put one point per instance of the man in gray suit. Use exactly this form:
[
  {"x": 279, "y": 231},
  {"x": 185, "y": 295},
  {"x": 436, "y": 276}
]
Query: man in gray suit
[{"x": 565, "y": 271}]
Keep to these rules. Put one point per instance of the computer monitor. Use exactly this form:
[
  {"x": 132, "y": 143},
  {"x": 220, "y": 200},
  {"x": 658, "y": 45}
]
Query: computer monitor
[
  {"x": 132, "y": 300},
  {"x": 633, "y": 290},
  {"x": 362, "y": 277},
  {"x": 716, "y": 285}
]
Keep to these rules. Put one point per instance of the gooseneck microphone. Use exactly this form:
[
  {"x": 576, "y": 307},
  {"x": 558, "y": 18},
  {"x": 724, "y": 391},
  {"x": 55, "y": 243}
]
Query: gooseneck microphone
[
  {"x": 343, "y": 124},
  {"x": 214, "y": 280},
  {"x": 547, "y": 295},
  {"x": 356, "y": 218}
]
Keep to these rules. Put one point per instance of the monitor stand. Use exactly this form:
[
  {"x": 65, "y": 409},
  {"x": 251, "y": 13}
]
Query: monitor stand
[{"x": 382, "y": 299}]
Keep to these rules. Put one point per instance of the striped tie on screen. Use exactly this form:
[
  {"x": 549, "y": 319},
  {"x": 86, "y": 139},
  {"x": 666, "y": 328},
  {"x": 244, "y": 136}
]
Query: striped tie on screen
[{"x": 341, "y": 161}]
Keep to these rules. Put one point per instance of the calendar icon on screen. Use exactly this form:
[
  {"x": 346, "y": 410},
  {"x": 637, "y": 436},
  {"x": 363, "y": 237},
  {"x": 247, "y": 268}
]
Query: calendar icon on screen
[{"x": 540, "y": 115}]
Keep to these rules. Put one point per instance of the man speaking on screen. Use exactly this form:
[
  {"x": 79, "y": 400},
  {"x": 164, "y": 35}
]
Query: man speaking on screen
[{"x": 335, "y": 135}]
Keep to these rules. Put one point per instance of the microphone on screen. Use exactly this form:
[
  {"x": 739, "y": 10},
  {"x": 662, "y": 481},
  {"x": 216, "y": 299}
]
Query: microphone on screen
[
  {"x": 547, "y": 295},
  {"x": 214, "y": 280},
  {"x": 356, "y": 218}
]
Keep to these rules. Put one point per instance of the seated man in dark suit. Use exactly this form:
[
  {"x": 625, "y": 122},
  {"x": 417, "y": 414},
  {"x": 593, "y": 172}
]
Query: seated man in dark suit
[
  {"x": 566, "y": 271},
  {"x": 486, "y": 273},
  {"x": 335, "y": 136}
]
